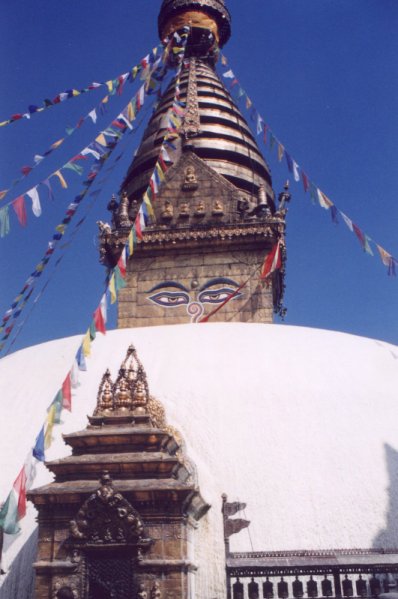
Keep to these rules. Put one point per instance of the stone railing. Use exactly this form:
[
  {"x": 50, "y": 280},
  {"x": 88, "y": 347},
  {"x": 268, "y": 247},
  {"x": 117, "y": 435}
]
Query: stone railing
[{"x": 302, "y": 574}]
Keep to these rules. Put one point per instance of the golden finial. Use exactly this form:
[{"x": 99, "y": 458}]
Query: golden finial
[{"x": 105, "y": 394}]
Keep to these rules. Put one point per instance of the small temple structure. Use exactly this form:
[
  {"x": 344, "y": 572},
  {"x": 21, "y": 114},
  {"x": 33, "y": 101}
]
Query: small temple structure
[{"x": 130, "y": 534}]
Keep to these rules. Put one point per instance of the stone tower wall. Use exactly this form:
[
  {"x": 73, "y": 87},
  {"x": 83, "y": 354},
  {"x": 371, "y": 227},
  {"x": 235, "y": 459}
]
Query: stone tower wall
[{"x": 205, "y": 278}]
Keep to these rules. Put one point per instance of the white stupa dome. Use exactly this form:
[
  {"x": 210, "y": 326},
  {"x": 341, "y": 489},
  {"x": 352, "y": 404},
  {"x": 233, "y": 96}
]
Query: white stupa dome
[{"x": 300, "y": 424}]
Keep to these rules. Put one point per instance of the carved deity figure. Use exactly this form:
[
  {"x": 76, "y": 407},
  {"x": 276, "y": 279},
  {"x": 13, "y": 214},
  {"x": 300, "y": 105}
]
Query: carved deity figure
[
  {"x": 184, "y": 209},
  {"x": 190, "y": 182},
  {"x": 168, "y": 210},
  {"x": 142, "y": 594},
  {"x": 155, "y": 592},
  {"x": 218, "y": 209},
  {"x": 124, "y": 219},
  {"x": 104, "y": 228},
  {"x": 200, "y": 208}
]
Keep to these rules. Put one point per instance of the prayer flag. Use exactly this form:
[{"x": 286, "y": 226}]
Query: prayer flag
[
  {"x": 9, "y": 515},
  {"x": 347, "y": 221},
  {"x": 3, "y": 194},
  {"x": 229, "y": 74},
  {"x": 259, "y": 124},
  {"x": 61, "y": 179},
  {"x": 363, "y": 239},
  {"x": 34, "y": 196},
  {"x": 67, "y": 393},
  {"x": 99, "y": 321},
  {"x": 80, "y": 359},
  {"x": 4, "y": 221},
  {"x": 281, "y": 151},
  {"x": 306, "y": 184},
  {"x": 56, "y": 144},
  {"x": 289, "y": 161},
  {"x": 38, "y": 450},
  {"x": 323, "y": 200},
  {"x": 385, "y": 256},
  {"x": 272, "y": 262},
  {"x": 391, "y": 267},
  {"x": 87, "y": 344},
  {"x": 248, "y": 103},
  {"x": 296, "y": 173},
  {"x": 19, "y": 487},
  {"x": 20, "y": 210},
  {"x": 224, "y": 60},
  {"x": 112, "y": 289},
  {"x": 93, "y": 115}
]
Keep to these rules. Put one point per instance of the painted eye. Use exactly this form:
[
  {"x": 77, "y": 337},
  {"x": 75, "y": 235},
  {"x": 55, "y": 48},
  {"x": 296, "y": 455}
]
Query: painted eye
[
  {"x": 170, "y": 299},
  {"x": 217, "y": 296}
]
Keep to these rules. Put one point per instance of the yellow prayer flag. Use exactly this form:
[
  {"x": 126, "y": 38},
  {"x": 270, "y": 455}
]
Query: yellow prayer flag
[
  {"x": 159, "y": 171},
  {"x": 131, "y": 243},
  {"x": 281, "y": 151},
  {"x": 148, "y": 205},
  {"x": 134, "y": 72},
  {"x": 112, "y": 289},
  {"x": 109, "y": 85},
  {"x": 56, "y": 144},
  {"x": 60, "y": 228},
  {"x": 75, "y": 92},
  {"x": 248, "y": 103},
  {"x": 101, "y": 139},
  {"x": 224, "y": 60},
  {"x": 61, "y": 179},
  {"x": 105, "y": 100},
  {"x": 130, "y": 112},
  {"x": 50, "y": 425},
  {"x": 385, "y": 256},
  {"x": 4, "y": 123},
  {"x": 86, "y": 345},
  {"x": 3, "y": 194}
]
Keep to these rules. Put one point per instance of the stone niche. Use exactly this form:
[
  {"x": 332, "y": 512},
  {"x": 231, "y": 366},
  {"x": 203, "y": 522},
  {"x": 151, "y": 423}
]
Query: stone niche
[{"x": 118, "y": 521}]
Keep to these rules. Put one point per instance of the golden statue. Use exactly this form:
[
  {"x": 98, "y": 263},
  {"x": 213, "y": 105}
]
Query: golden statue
[
  {"x": 218, "y": 209},
  {"x": 200, "y": 209},
  {"x": 168, "y": 210},
  {"x": 184, "y": 209},
  {"x": 190, "y": 182}
]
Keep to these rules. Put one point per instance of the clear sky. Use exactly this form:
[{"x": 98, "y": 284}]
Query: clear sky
[{"x": 322, "y": 73}]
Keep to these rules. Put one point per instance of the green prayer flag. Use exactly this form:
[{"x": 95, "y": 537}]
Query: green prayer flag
[
  {"x": 120, "y": 283},
  {"x": 9, "y": 515},
  {"x": 74, "y": 167},
  {"x": 4, "y": 221}
]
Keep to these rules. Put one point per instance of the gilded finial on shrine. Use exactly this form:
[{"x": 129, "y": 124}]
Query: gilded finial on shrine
[{"x": 105, "y": 394}]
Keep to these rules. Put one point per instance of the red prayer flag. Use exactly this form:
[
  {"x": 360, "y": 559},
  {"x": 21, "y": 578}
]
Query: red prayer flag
[
  {"x": 272, "y": 262},
  {"x": 306, "y": 183},
  {"x": 20, "y": 487},
  {"x": 99, "y": 321},
  {"x": 138, "y": 227},
  {"x": 20, "y": 209},
  {"x": 25, "y": 170},
  {"x": 67, "y": 393}
]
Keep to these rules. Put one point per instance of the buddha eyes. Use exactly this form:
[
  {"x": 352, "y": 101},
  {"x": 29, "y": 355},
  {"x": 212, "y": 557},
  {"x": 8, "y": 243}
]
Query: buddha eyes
[
  {"x": 169, "y": 299},
  {"x": 173, "y": 299},
  {"x": 217, "y": 296}
]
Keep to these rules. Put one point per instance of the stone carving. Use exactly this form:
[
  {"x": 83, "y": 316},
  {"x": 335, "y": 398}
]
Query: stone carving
[
  {"x": 124, "y": 220},
  {"x": 142, "y": 594},
  {"x": 191, "y": 123},
  {"x": 108, "y": 518},
  {"x": 157, "y": 413},
  {"x": 218, "y": 209},
  {"x": 155, "y": 591},
  {"x": 63, "y": 589},
  {"x": 190, "y": 181},
  {"x": 168, "y": 211},
  {"x": 200, "y": 208},
  {"x": 184, "y": 210},
  {"x": 104, "y": 228}
]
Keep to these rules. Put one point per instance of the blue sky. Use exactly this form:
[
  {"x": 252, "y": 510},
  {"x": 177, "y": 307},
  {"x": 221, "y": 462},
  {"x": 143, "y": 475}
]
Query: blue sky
[{"x": 322, "y": 73}]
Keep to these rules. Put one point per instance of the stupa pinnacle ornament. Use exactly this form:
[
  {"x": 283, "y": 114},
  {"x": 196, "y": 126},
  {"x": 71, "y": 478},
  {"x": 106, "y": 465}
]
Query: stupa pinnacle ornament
[
  {"x": 206, "y": 14},
  {"x": 214, "y": 209}
]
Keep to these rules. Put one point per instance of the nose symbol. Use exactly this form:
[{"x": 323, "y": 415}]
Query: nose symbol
[{"x": 195, "y": 310}]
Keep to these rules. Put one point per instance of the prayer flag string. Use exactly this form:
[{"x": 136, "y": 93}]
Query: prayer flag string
[
  {"x": 14, "y": 508},
  {"x": 317, "y": 196},
  {"x": 113, "y": 85}
]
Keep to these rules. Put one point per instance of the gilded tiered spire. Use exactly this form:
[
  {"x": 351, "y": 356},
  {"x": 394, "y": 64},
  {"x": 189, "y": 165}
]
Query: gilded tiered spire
[{"x": 210, "y": 191}]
